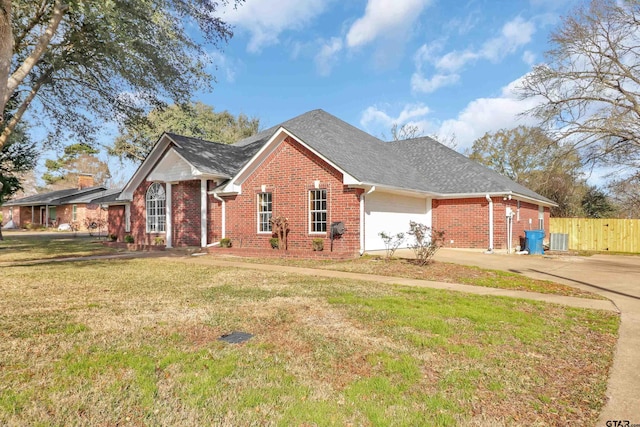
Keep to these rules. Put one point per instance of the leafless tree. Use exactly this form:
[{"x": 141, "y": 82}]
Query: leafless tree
[{"x": 590, "y": 83}]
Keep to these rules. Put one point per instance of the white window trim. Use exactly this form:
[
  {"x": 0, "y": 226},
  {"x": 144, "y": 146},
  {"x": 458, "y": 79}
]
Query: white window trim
[
  {"x": 156, "y": 216},
  {"x": 260, "y": 213},
  {"x": 310, "y": 211}
]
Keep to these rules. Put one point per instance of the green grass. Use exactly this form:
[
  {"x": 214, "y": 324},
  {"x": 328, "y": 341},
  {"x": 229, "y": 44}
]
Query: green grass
[
  {"x": 16, "y": 247},
  {"x": 136, "y": 342}
]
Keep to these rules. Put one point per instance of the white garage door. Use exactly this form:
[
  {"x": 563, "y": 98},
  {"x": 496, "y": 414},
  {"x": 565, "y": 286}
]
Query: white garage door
[{"x": 391, "y": 213}]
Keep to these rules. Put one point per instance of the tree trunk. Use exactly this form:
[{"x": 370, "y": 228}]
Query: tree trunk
[
  {"x": 6, "y": 132},
  {"x": 6, "y": 52}
]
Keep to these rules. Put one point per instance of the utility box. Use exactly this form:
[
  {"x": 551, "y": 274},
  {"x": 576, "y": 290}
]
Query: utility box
[{"x": 559, "y": 242}]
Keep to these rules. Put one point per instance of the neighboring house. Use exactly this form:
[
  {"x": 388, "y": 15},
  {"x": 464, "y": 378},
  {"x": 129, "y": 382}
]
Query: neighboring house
[
  {"x": 57, "y": 207},
  {"x": 316, "y": 170}
]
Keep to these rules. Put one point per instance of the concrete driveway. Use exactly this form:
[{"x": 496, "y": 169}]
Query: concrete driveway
[{"x": 614, "y": 277}]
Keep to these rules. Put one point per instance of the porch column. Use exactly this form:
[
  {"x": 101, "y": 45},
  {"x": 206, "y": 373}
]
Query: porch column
[
  {"x": 33, "y": 214},
  {"x": 203, "y": 213},
  {"x": 169, "y": 219},
  {"x": 46, "y": 216}
]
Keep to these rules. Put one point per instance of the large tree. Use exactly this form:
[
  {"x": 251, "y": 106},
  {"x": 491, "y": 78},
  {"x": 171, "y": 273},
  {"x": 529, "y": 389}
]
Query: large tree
[
  {"x": 529, "y": 157},
  {"x": 80, "y": 61},
  {"x": 78, "y": 159},
  {"x": 17, "y": 157},
  {"x": 590, "y": 83},
  {"x": 196, "y": 120}
]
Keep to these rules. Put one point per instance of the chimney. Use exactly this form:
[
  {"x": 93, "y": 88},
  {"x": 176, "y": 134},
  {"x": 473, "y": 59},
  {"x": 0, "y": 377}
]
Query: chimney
[{"x": 85, "y": 180}]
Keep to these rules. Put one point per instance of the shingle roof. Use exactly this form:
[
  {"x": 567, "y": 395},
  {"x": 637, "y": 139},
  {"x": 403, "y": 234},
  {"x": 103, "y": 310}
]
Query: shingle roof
[
  {"x": 105, "y": 196},
  {"x": 211, "y": 157},
  {"x": 420, "y": 164},
  {"x": 59, "y": 197}
]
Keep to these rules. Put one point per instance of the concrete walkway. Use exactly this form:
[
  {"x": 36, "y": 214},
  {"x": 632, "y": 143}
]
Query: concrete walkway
[{"x": 614, "y": 277}]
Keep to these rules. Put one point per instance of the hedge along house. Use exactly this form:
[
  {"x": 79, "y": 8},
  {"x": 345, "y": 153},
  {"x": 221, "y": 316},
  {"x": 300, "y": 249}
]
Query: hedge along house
[
  {"x": 56, "y": 207},
  {"x": 317, "y": 170}
]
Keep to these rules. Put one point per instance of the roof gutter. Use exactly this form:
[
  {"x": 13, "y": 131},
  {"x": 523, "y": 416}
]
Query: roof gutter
[{"x": 459, "y": 195}]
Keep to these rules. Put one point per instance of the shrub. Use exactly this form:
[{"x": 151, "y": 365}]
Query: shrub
[
  {"x": 275, "y": 242},
  {"x": 158, "y": 241},
  {"x": 426, "y": 241},
  {"x": 112, "y": 237},
  {"x": 317, "y": 244},
  {"x": 225, "y": 243},
  {"x": 128, "y": 238},
  {"x": 391, "y": 243}
]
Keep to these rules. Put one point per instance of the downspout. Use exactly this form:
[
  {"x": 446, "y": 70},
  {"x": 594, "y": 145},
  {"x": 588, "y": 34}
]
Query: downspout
[
  {"x": 203, "y": 213},
  {"x": 362, "y": 216},
  {"x": 224, "y": 213},
  {"x": 490, "y": 250}
]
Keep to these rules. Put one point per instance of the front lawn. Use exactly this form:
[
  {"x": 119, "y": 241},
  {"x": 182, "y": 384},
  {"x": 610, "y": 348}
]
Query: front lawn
[
  {"x": 134, "y": 342},
  {"x": 16, "y": 247}
]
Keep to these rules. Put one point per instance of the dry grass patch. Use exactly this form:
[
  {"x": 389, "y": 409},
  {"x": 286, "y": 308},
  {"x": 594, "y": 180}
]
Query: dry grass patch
[
  {"x": 134, "y": 342},
  {"x": 435, "y": 271},
  {"x": 16, "y": 248}
]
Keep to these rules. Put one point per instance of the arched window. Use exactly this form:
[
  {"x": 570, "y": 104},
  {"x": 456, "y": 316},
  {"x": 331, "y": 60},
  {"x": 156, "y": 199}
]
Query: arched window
[{"x": 156, "y": 208}]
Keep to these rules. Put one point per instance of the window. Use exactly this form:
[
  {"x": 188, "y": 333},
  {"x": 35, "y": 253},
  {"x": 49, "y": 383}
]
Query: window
[
  {"x": 10, "y": 213},
  {"x": 156, "y": 208},
  {"x": 318, "y": 211},
  {"x": 74, "y": 213},
  {"x": 265, "y": 210}
]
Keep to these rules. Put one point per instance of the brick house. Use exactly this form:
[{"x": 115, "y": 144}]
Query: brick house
[
  {"x": 57, "y": 207},
  {"x": 317, "y": 170}
]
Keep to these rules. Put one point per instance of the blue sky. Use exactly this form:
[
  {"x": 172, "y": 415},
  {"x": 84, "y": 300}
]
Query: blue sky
[{"x": 449, "y": 67}]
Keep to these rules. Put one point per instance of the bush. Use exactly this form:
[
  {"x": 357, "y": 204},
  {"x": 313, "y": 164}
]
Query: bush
[
  {"x": 426, "y": 241},
  {"x": 275, "y": 242},
  {"x": 391, "y": 243},
  {"x": 317, "y": 244},
  {"x": 112, "y": 237},
  {"x": 225, "y": 243},
  {"x": 128, "y": 238},
  {"x": 158, "y": 241}
]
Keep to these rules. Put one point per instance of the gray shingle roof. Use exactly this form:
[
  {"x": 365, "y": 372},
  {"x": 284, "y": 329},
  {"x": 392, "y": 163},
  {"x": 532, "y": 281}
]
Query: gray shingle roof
[
  {"x": 105, "y": 196},
  {"x": 420, "y": 164},
  {"x": 213, "y": 157},
  {"x": 56, "y": 198}
]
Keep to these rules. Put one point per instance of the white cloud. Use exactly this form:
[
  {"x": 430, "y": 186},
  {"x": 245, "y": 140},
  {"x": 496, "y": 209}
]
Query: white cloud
[
  {"x": 419, "y": 83},
  {"x": 384, "y": 18},
  {"x": 224, "y": 64},
  {"x": 529, "y": 57},
  {"x": 265, "y": 21},
  {"x": 489, "y": 115},
  {"x": 326, "y": 58},
  {"x": 515, "y": 34},
  {"x": 377, "y": 121}
]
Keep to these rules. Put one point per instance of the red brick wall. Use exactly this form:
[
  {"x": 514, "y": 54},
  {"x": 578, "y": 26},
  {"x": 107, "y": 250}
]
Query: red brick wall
[
  {"x": 289, "y": 173},
  {"x": 64, "y": 214},
  {"x": 466, "y": 222},
  {"x": 186, "y": 213},
  {"x": 116, "y": 222}
]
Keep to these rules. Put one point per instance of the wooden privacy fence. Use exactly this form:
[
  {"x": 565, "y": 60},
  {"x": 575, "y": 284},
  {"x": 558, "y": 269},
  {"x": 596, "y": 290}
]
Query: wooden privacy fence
[{"x": 588, "y": 234}]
